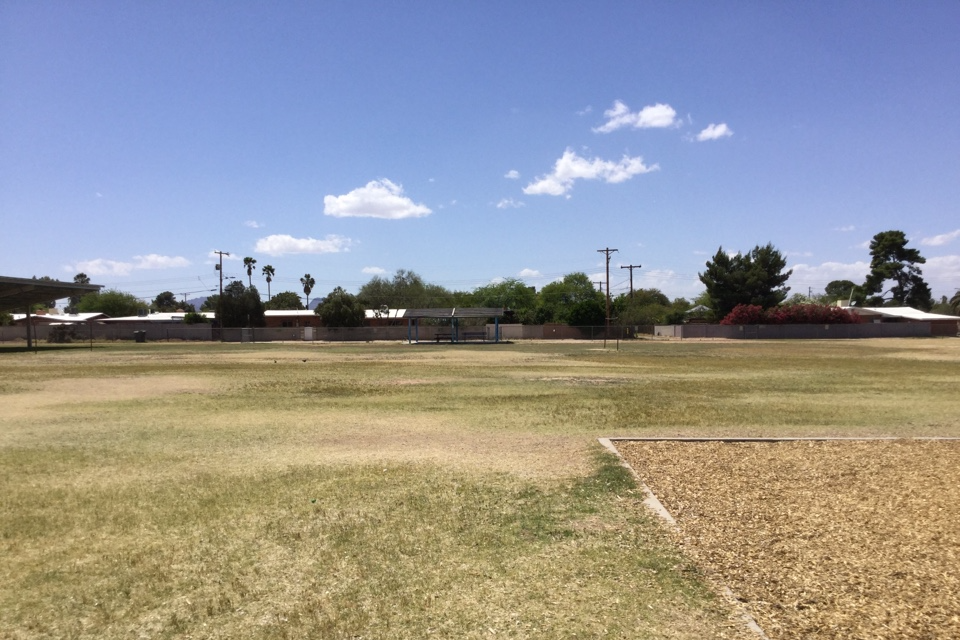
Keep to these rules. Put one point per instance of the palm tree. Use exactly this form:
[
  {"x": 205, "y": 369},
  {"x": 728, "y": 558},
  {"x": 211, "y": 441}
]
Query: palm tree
[
  {"x": 268, "y": 273},
  {"x": 307, "y": 281},
  {"x": 248, "y": 263},
  {"x": 955, "y": 302}
]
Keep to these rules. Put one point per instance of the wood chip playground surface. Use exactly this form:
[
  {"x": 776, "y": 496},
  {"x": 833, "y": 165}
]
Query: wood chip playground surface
[{"x": 819, "y": 538}]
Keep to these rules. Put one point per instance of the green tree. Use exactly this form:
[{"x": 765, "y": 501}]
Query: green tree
[
  {"x": 241, "y": 306},
  {"x": 248, "y": 264},
  {"x": 340, "y": 309},
  {"x": 80, "y": 278},
  {"x": 573, "y": 301},
  {"x": 165, "y": 301},
  {"x": 268, "y": 273},
  {"x": 678, "y": 311},
  {"x": 839, "y": 290},
  {"x": 588, "y": 313},
  {"x": 891, "y": 260},
  {"x": 50, "y": 304},
  {"x": 307, "y": 281},
  {"x": 755, "y": 278},
  {"x": 511, "y": 294},
  {"x": 285, "y": 300},
  {"x": 111, "y": 302},
  {"x": 955, "y": 302},
  {"x": 406, "y": 290},
  {"x": 645, "y": 306},
  {"x": 192, "y": 317}
]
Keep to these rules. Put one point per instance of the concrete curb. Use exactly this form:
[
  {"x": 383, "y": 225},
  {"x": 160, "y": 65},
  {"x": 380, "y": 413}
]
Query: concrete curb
[{"x": 796, "y": 439}]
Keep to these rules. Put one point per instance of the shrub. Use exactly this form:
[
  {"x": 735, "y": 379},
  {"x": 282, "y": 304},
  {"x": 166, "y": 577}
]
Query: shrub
[
  {"x": 192, "y": 317},
  {"x": 791, "y": 314},
  {"x": 745, "y": 314},
  {"x": 64, "y": 333}
]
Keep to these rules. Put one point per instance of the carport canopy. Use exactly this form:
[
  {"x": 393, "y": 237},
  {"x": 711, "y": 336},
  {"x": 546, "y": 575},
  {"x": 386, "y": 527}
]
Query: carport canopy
[{"x": 19, "y": 294}]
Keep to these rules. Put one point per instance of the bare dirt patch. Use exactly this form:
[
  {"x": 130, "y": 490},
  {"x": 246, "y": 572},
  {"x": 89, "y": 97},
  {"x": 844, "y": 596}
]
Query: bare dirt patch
[{"x": 827, "y": 539}]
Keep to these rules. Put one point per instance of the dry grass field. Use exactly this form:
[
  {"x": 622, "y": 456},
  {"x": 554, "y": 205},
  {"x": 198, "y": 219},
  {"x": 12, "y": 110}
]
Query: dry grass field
[{"x": 396, "y": 491}]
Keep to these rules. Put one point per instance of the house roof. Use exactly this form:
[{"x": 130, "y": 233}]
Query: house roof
[
  {"x": 289, "y": 313},
  {"x": 698, "y": 309},
  {"x": 17, "y": 294},
  {"x": 903, "y": 313},
  {"x": 176, "y": 316},
  {"x": 60, "y": 317}
]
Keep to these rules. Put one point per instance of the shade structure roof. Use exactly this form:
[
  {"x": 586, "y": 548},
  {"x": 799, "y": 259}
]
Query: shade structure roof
[
  {"x": 459, "y": 312},
  {"x": 18, "y": 294}
]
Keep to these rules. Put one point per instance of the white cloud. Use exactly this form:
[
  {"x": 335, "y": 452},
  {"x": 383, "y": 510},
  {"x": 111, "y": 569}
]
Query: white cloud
[
  {"x": 513, "y": 174},
  {"x": 510, "y": 203},
  {"x": 253, "y": 224},
  {"x": 154, "y": 261},
  {"x": 665, "y": 280},
  {"x": 849, "y": 227},
  {"x": 715, "y": 132},
  {"x": 943, "y": 238},
  {"x": 650, "y": 117},
  {"x": 104, "y": 267},
  {"x": 571, "y": 167},
  {"x": 818, "y": 276},
  {"x": 373, "y": 271},
  {"x": 529, "y": 273},
  {"x": 378, "y": 199},
  {"x": 942, "y": 274},
  {"x": 281, "y": 245}
]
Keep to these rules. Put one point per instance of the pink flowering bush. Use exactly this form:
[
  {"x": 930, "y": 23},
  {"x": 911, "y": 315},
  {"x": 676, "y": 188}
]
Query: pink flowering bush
[
  {"x": 745, "y": 314},
  {"x": 791, "y": 314}
]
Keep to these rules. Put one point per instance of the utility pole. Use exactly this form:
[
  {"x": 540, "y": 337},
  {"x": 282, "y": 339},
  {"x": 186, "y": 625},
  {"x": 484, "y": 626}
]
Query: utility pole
[
  {"x": 599, "y": 284},
  {"x": 607, "y": 251},
  {"x": 220, "y": 297},
  {"x": 631, "y": 267}
]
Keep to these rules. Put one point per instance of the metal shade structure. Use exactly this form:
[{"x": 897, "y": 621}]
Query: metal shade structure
[
  {"x": 19, "y": 294},
  {"x": 413, "y": 317}
]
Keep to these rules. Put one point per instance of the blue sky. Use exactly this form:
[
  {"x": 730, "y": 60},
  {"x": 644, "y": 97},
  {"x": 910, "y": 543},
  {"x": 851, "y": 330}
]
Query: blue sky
[{"x": 474, "y": 141}]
